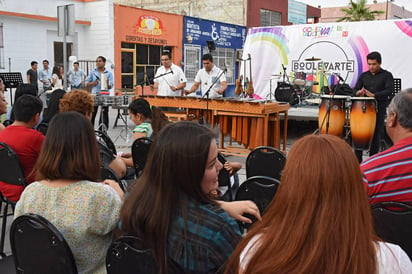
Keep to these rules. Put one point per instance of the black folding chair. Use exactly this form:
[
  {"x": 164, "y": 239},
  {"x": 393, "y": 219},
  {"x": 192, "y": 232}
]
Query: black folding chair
[
  {"x": 39, "y": 247},
  {"x": 140, "y": 151},
  {"x": 265, "y": 161},
  {"x": 12, "y": 173},
  {"x": 260, "y": 190},
  {"x": 42, "y": 128},
  {"x": 104, "y": 139},
  {"x": 107, "y": 173},
  {"x": 393, "y": 223},
  {"x": 126, "y": 255}
]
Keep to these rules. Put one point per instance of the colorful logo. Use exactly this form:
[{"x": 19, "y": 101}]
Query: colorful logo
[
  {"x": 317, "y": 31},
  {"x": 149, "y": 24}
]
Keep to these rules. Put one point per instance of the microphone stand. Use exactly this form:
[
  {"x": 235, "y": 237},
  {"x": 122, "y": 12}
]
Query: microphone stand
[
  {"x": 208, "y": 91},
  {"x": 147, "y": 80}
]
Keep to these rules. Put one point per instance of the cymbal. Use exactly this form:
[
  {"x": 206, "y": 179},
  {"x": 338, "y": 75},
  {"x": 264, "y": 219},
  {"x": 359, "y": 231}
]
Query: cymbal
[{"x": 313, "y": 59}]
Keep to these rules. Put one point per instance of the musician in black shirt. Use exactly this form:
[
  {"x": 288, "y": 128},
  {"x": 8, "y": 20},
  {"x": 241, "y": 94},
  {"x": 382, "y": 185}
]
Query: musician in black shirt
[{"x": 377, "y": 83}]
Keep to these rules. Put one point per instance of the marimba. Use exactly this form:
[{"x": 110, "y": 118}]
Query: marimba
[{"x": 250, "y": 122}]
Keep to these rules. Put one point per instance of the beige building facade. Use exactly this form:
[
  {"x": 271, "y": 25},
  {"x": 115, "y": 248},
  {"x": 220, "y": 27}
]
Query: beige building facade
[
  {"x": 390, "y": 11},
  {"x": 228, "y": 11}
]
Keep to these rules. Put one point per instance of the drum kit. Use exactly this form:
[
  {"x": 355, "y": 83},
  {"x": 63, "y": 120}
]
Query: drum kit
[{"x": 300, "y": 86}]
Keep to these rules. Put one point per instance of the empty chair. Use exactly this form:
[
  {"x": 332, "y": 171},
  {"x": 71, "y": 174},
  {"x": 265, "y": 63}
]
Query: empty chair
[
  {"x": 42, "y": 127},
  {"x": 140, "y": 150},
  {"x": 11, "y": 172},
  {"x": 260, "y": 190},
  {"x": 265, "y": 161},
  {"x": 38, "y": 247},
  {"x": 393, "y": 223}
]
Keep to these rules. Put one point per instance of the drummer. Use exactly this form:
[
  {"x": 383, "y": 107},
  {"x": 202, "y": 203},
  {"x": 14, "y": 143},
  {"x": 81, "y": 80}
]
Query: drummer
[
  {"x": 99, "y": 88},
  {"x": 377, "y": 83},
  {"x": 171, "y": 84}
]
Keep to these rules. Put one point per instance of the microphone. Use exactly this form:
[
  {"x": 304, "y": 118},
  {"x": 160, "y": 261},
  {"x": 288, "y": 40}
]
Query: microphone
[
  {"x": 171, "y": 71},
  {"x": 340, "y": 77},
  {"x": 283, "y": 67},
  {"x": 225, "y": 70}
]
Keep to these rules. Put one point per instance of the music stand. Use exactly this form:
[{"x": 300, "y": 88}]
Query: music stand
[{"x": 12, "y": 80}]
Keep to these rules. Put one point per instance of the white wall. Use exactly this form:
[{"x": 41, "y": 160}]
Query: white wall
[{"x": 26, "y": 40}]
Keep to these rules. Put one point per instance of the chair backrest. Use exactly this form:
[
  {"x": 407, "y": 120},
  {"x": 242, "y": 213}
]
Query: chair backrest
[
  {"x": 102, "y": 137},
  {"x": 265, "y": 161},
  {"x": 11, "y": 171},
  {"x": 140, "y": 150},
  {"x": 39, "y": 247},
  {"x": 107, "y": 173},
  {"x": 393, "y": 223},
  {"x": 42, "y": 128},
  {"x": 126, "y": 256},
  {"x": 260, "y": 190}
]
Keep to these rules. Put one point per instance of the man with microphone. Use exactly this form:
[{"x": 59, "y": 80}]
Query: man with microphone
[
  {"x": 376, "y": 83},
  {"x": 207, "y": 76},
  {"x": 173, "y": 80}
]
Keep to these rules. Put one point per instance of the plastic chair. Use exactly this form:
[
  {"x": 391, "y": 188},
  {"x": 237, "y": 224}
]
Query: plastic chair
[
  {"x": 393, "y": 223},
  {"x": 260, "y": 190},
  {"x": 265, "y": 161},
  {"x": 140, "y": 150},
  {"x": 39, "y": 247},
  {"x": 11, "y": 172}
]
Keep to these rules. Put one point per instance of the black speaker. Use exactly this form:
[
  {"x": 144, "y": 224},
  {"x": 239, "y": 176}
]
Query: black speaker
[{"x": 211, "y": 45}]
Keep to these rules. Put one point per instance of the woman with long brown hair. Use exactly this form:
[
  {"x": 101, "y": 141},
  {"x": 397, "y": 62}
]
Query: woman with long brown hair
[
  {"x": 320, "y": 220},
  {"x": 169, "y": 207}
]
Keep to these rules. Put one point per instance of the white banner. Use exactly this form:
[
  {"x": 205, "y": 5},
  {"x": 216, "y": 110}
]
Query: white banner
[{"x": 315, "y": 52}]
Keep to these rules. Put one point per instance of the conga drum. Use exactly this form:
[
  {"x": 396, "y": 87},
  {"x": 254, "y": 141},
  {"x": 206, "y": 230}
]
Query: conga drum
[
  {"x": 336, "y": 119},
  {"x": 362, "y": 121}
]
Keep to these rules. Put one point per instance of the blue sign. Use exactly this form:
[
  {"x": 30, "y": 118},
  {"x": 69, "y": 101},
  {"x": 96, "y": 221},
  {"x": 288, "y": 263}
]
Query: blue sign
[
  {"x": 296, "y": 12},
  {"x": 198, "y": 31}
]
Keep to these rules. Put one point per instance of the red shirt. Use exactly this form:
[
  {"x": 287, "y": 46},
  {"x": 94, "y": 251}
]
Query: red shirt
[{"x": 26, "y": 143}]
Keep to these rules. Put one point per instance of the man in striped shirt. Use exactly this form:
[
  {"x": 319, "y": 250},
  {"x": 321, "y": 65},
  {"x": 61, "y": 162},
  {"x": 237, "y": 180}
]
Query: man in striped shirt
[{"x": 388, "y": 175}]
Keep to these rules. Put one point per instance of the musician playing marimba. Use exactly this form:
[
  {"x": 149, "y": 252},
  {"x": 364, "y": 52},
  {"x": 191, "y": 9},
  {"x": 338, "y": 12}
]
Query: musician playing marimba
[{"x": 207, "y": 76}]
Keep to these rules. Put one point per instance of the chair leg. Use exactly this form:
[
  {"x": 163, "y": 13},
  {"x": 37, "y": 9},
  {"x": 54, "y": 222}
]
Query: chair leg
[{"x": 3, "y": 230}]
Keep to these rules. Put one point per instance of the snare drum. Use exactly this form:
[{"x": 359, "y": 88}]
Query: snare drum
[
  {"x": 362, "y": 121},
  {"x": 122, "y": 101},
  {"x": 98, "y": 101},
  {"x": 337, "y": 113}
]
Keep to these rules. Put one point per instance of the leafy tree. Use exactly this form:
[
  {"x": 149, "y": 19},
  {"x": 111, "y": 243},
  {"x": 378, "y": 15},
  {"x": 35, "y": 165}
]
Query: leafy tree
[{"x": 357, "y": 11}]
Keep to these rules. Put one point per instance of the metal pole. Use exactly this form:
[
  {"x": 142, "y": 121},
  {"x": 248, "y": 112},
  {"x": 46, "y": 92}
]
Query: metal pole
[
  {"x": 66, "y": 15},
  {"x": 386, "y": 13}
]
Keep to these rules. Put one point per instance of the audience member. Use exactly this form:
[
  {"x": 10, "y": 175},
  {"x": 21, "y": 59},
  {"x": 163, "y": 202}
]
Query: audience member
[
  {"x": 66, "y": 192},
  {"x": 2, "y": 85},
  {"x": 57, "y": 79},
  {"x": 81, "y": 101},
  {"x": 169, "y": 207},
  {"x": 388, "y": 175},
  {"x": 53, "y": 108},
  {"x": 25, "y": 141},
  {"x": 319, "y": 222},
  {"x": 45, "y": 76},
  {"x": 20, "y": 90},
  {"x": 76, "y": 77},
  {"x": 32, "y": 75},
  {"x": 149, "y": 120}
]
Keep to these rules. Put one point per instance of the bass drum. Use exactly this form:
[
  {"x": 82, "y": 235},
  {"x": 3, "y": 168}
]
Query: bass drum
[{"x": 286, "y": 93}]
